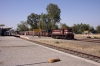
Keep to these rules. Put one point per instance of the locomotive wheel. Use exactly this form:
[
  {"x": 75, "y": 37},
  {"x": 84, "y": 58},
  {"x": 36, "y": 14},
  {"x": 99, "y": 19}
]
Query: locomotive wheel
[
  {"x": 52, "y": 36},
  {"x": 57, "y": 37},
  {"x": 71, "y": 37}
]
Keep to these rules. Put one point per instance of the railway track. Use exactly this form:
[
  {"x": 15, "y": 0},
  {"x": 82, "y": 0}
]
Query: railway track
[
  {"x": 89, "y": 40},
  {"x": 70, "y": 51}
]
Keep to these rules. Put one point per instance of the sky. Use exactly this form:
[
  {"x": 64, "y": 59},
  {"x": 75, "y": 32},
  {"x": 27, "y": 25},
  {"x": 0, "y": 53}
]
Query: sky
[{"x": 12, "y": 12}]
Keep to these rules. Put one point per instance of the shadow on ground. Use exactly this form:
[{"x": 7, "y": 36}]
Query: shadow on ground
[{"x": 31, "y": 64}]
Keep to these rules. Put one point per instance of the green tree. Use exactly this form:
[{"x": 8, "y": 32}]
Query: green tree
[
  {"x": 43, "y": 21},
  {"x": 63, "y": 25},
  {"x": 75, "y": 28},
  {"x": 32, "y": 20},
  {"x": 53, "y": 12},
  {"x": 55, "y": 27},
  {"x": 98, "y": 28},
  {"x": 23, "y": 26},
  {"x": 85, "y": 27},
  {"x": 91, "y": 29},
  {"x": 80, "y": 28}
]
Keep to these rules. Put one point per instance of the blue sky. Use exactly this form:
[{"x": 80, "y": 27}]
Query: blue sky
[{"x": 13, "y": 12}]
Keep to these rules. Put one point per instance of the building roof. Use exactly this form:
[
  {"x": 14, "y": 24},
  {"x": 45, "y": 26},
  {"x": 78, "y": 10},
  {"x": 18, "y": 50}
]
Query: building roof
[{"x": 6, "y": 27}]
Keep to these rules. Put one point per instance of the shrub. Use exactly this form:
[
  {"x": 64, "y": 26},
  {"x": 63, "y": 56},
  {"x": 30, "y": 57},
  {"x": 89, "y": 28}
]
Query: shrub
[
  {"x": 96, "y": 37},
  {"x": 88, "y": 37},
  {"x": 57, "y": 42},
  {"x": 99, "y": 51}
]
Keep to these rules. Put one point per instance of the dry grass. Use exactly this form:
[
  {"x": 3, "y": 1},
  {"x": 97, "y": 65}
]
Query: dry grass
[
  {"x": 78, "y": 46},
  {"x": 84, "y": 36}
]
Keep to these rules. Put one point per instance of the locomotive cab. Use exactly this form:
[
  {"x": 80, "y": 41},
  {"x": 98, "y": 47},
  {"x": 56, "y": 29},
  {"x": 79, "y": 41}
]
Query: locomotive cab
[{"x": 68, "y": 33}]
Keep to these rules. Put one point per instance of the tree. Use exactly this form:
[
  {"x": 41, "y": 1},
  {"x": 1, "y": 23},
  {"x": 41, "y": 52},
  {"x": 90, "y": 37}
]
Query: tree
[
  {"x": 91, "y": 29},
  {"x": 80, "y": 28},
  {"x": 85, "y": 26},
  {"x": 75, "y": 28},
  {"x": 23, "y": 26},
  {"x": 98, "y": 28},
  {"x": 53, "y": 12},
  {"x": 32, "y": 20},
  {"x": 43, "y": 23},
  {"x": 63, "y": 25},
  {"x": 55, "y": 27}
]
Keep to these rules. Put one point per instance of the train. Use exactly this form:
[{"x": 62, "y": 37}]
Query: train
[{"x": 66, "y": 33}]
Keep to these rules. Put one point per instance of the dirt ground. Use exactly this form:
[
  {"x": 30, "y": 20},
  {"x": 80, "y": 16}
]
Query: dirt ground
[
  {"x": 85, "y": 35},
  {"x": 86, "y": 47}
]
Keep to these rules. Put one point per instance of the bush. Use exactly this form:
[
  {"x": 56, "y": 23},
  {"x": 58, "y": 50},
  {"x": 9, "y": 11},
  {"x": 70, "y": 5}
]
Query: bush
[
  {"x": 99, "y": 51},
  {"x": 88, "y": 37},
  {"x": 57, "y": 42},
  {"x": 96, "y": 37}
]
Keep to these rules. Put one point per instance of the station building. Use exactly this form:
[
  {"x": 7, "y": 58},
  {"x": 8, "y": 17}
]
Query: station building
[{"x": 5, "y": 31}]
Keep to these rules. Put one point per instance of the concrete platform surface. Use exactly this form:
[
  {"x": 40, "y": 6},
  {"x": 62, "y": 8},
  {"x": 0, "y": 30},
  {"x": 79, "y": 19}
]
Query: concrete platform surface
[{"x": 18, "y": 52}]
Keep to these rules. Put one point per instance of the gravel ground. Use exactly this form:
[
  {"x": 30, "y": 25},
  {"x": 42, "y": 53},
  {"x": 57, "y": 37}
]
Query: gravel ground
[{"x": 86, "y": 47}]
